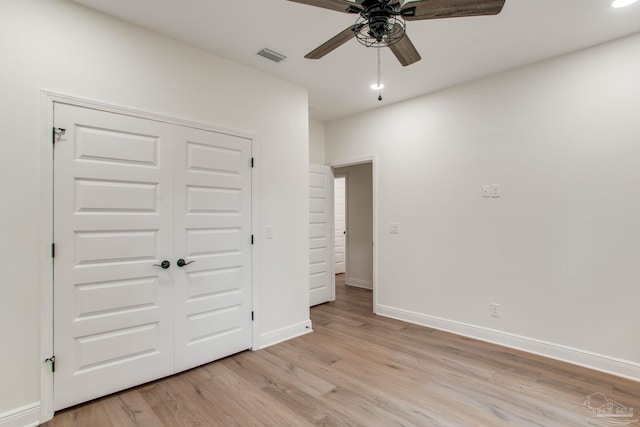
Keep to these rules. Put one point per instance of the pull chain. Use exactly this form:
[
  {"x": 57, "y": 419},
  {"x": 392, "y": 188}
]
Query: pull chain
[{"x": 379, "y": 86}]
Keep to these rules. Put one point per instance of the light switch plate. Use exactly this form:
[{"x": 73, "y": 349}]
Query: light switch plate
[
  {"x": 394, "y": 228},
  {"x": 486, "y": 191},
  {"x": 268, "y": 232}
]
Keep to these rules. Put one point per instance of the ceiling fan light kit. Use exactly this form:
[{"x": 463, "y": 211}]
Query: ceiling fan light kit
[{"x": 384, "y": 33}]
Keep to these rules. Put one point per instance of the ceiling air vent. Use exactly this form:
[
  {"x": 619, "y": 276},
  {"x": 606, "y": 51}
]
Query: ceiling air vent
[{"x": 274, "y": 56}]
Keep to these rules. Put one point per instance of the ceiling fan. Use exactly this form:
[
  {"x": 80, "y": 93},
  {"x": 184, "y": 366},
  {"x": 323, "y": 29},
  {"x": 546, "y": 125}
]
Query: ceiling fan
[{"x": 381, "y": 23}]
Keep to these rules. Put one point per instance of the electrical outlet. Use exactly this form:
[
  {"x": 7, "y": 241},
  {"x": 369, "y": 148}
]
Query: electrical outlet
[
  {"x": 495, "y": 310},
  {"x": 486, "y": 191},
  {"x": 495, "y": 191},
  {"x": 394, "y": 228}
]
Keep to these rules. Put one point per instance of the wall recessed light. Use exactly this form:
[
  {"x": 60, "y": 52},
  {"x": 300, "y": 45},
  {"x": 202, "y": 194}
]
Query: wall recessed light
[
  {"x": 377, "y": 86},
  {"x": 622, "y": 3}
]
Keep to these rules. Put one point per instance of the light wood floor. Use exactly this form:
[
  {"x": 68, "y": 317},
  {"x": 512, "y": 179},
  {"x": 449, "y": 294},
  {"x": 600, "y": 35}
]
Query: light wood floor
[{"x": 360, "y": 369}]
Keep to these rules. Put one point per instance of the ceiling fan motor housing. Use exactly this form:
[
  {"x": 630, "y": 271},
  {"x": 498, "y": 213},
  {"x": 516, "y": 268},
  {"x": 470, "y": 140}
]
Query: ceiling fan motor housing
[{"x": 379, "y": 23}]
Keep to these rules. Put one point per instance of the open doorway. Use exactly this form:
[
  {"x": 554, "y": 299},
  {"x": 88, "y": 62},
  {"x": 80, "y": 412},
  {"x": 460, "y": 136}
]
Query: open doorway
[{"x": 358, "y": 219}]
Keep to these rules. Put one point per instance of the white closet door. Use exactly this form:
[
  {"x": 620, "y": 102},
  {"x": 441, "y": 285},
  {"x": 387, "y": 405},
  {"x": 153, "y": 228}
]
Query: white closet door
[
  {"x": 130, "y": 193},
  {"x": 213, "y": 234},
  {"x": 340, "y": 224},
  {"x": 321, "y": 276},
  {"x": 113, "y": 310}
]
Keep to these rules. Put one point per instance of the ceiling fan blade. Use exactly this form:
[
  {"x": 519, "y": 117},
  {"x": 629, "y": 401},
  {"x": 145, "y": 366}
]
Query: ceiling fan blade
[
  {"x": 436, "y": 9},
  {"x": 405, "y": 51},
  {"x": 333, "y": 43},
  {"x": 338, "y": 5}
]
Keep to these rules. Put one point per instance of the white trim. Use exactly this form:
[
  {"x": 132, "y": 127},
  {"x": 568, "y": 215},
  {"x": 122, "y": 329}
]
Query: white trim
[
  {"x": 26, "y": 416},
  {"x": 284, "y": 334},
  {"x": 46, "y": 261},
  {"x": 60, "y": 98},
  {"x": 587, "y": 359},
  {"x": 48, "y": 99},
  {"x": 374, "y": 178},
  {"x": 359, "y": 283},
  {"x": 332, "y": 215},
  {"x": 256, "y": 249}
]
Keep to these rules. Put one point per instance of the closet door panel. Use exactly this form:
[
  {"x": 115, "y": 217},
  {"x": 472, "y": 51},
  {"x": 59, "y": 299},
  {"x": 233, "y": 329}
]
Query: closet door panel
[
  {"x": 113, "y": 209},
  {"x": 212, "y": 234}
]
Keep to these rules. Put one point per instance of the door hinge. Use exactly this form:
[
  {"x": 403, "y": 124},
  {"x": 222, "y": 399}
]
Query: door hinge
[
  {"x": 56, "y": 132},
  {"x": 53, "y": 250},
  {"x": 252, "y": 162},
  {"x": 252, "y": 317},
  {"x": 51, "y": 359},
  {"x": 252, "y": 239}
]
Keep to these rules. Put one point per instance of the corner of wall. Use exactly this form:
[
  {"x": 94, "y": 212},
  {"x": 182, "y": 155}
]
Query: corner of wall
[
  {"x": 359, "y": 283},
  {"x": 283, "y": 334},
  {"x": 317, "y": 142}
]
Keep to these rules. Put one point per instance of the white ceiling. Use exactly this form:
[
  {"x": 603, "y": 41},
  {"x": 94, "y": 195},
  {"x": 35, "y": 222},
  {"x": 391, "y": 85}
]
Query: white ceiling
[{"x": 453, "y": 50}]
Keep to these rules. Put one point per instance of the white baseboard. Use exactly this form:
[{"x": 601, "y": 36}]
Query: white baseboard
[
  {"x": 279, "y": 335},
  {"x": 359, "y": 283},
  {"x": 26, "y": 416},
  {"x": 587, "y": 359}
]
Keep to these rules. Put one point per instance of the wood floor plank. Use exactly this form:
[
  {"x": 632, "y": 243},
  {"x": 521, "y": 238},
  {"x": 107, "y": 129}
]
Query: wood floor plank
[
  {"x": 250, "y": 402},
  {"x": 131, "y": 409},
  {"x": 358, "y": 369}
]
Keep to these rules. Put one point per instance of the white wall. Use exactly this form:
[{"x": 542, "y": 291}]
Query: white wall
[
  {"x": 60, "y": 46},
  {"x": 317, "y": 142},
  {"x": 559, "y": 250},
  {"x": 359, "y": 194}
]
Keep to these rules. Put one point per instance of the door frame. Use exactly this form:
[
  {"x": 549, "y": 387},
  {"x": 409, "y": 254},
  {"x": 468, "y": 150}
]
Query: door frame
[
  {"x": 374, "y": 183},
  {"x": 47, "y": 101}
]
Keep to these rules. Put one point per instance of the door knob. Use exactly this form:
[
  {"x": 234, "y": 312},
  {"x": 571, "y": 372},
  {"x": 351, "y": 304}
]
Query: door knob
[
  {"x": 164, "y": 264},
  {"x": 181, "y": 262}
]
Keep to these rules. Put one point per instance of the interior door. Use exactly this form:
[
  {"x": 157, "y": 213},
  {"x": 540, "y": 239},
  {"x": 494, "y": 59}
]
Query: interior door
[
  {"x": 340, "y": 209},
  {"x": 113, "y": 309},
  {"x": 152, "y": 267},
  {"x": 321, "y": 276},
  {"x": 213, "y": 238}
]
